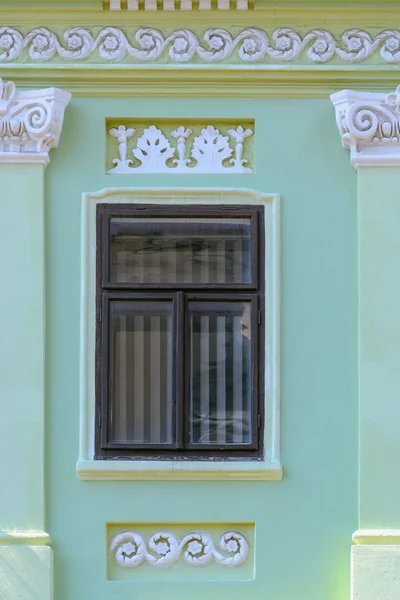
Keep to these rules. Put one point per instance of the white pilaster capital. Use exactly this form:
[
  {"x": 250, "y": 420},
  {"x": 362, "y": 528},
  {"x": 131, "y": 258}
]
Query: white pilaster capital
[
  {"x": 30, "y": 123},
  {"x": 369, "y": 125}
]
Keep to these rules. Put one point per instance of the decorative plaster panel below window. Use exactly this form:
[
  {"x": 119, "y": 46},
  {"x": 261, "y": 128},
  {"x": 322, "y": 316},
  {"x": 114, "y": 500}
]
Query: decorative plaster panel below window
[{"x": 159, "y": 551}]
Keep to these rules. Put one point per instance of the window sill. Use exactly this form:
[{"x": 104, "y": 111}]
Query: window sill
[{"x": 119, "y": 470}]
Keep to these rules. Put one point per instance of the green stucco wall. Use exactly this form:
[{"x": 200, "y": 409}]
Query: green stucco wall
[
  {"x": 304, "y": 522},
  {"x": 379, "y": 208}
]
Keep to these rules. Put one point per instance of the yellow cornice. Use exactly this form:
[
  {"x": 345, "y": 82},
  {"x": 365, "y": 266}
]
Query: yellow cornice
[
  {"x": 377, "y": 15},
  {"x": 202, "y": 81}
]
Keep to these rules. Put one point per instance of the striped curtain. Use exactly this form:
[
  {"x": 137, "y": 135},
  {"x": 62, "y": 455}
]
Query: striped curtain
[
  {"x": 220, "y": 378},
  {"x": 142, "y": 379}
]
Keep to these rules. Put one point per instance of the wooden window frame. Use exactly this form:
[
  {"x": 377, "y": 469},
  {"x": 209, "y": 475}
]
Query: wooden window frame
[{"x": 180, "y": 295}]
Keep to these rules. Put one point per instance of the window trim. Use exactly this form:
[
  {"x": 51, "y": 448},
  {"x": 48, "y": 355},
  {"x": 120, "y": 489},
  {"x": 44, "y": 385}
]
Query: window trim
[{"x": 269, "y": 466}]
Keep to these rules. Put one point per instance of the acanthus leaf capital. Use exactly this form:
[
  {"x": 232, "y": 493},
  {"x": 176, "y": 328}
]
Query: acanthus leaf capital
[
  {"x": 369, "y": 125},
  {"x": 30, "y": 122}
]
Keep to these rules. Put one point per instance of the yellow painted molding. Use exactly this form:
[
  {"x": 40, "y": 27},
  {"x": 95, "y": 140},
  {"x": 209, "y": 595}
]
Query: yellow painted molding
[
  {"x": 377, "y": 536},
  {"x": 121, "y": 80},
  {"x": 25, "y": 538},
  {"x": 92, "y": 470},
  {"x": 350, "y": 12}
]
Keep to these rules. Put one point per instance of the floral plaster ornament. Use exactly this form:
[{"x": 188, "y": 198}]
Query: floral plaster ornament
[{"x": 209, "y": 151}]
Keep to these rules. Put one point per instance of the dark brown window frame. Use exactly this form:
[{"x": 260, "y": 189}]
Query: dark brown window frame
[{"x": 107, "y": 291}]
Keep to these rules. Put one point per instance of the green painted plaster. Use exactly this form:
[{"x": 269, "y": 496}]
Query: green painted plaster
[
  {"x": 379, "y": 218},
  {"x": 22, "y": 356},
  {"x": 303, "y": 523}
]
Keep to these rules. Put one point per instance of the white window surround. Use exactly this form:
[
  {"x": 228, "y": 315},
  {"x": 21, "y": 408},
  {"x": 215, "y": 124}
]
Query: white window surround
[{"x": 269, "y": 467}]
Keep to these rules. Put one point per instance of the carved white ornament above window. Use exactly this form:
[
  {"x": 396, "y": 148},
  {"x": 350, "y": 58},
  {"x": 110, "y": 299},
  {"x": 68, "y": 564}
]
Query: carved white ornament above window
[
  {"x": 252, "y": 45},
  {"x": 210, "y": 151},
  {"x": 30, "y": 122},
  {"x": 198, "y": 549},
  {"x": 369, "y": 125}
]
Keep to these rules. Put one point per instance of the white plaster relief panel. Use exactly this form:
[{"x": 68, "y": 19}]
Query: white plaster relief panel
[
  {"x": 180, "y": 551},
  {"x": 148, "y": 44},
  {"x": 369, "y": 125},
  {"x": 196, "y": 547},
  {"x": 158, "y": 150}
]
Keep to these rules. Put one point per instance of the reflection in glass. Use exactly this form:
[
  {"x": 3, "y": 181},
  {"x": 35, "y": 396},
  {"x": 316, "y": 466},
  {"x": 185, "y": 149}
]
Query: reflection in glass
[
  {"x": 141, "y": 372},
  {"x": 220, "y": 381},
  {"x": 185, "y": 250}
]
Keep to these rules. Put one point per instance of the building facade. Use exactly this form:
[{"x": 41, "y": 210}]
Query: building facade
[{"x": 200, "y": 340}]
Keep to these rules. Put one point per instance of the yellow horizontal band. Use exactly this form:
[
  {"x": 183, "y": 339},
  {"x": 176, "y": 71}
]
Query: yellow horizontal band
[
  {"x": 377, "y": 536},
  {"x": 24, "y": 538}
]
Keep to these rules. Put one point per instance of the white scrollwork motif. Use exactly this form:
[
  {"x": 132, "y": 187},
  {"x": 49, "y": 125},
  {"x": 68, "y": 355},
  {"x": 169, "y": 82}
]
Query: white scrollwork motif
[
  {"x": 369, "y": 125},
  {"x": 30, "y": 122},
  {"x": 130, "y": 551},
  {"x": 209, "y": 151},
  {"x": 183, "y": 45}
]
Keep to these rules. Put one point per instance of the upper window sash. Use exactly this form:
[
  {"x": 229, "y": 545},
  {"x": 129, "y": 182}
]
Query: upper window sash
[{"x": 238, "y": 224}]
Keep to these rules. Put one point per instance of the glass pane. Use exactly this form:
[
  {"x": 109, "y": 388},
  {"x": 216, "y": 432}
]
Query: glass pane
[
  {"x": 141, "y": 350},
  {"x": 220, "y": 379},
  {"x": 185, "y": 250}
]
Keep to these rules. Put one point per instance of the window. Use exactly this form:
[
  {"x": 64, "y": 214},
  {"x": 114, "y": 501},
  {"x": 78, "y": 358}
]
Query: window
[{"x": 179, "y": 315}]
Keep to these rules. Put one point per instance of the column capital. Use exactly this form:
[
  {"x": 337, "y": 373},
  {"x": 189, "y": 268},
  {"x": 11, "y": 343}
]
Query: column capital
[
  {"x": 369, "y": 125},
  {"x": 30, "y": 123}
]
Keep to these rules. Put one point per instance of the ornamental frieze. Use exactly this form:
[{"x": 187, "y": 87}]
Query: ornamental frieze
[{"x": 147, "y": 44}]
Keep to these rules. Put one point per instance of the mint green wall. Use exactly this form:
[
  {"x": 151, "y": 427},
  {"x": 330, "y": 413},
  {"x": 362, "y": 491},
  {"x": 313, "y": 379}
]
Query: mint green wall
[
  {"x": 379, "y": 209},
  {"x": 303, "y": 523},
  {"x": 22, "y": 325}
]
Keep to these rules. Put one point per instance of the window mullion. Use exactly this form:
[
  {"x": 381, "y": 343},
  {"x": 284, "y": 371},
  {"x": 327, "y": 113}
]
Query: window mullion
[{"x": 180, "y": 370}]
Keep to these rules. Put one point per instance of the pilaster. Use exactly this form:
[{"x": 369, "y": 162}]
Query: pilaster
[
  {"x": 369, "y": 126},
  {"x": 30, "y": 125}
]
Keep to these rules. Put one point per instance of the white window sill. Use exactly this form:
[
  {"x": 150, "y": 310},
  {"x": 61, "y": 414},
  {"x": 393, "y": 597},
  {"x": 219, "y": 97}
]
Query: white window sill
[{"x": 118, "y": 470}]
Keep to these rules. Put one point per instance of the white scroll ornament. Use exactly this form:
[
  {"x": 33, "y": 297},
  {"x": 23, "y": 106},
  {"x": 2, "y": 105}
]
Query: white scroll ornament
[{"x": 198, "y": 549}]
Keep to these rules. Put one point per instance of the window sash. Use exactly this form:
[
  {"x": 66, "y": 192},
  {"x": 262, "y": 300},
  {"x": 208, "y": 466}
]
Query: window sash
[
  {"x": 147, "y": 303},
  {"x": 181, "y": 304},
  {"x": 236, "y": 212},
  {"x": 214, "y": 303}
]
